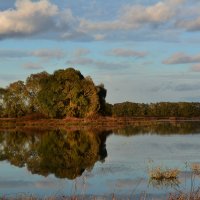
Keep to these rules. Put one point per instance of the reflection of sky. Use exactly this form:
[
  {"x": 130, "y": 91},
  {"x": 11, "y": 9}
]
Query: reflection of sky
[
  {"x": 14, "y": 180},
  {"x": 125, "y": 170},
  {"x": 153, "y": 147}
]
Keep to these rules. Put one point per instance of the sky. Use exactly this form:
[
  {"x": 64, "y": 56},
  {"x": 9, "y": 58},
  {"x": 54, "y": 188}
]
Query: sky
[{"x": 141, "y": 50}]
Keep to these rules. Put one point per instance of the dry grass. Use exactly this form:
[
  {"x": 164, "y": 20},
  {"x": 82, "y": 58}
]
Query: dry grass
[
  {"x": 159, "y": 173},
  {"x": 195, "y": 167},
  {"x": 195, "y": 195}
]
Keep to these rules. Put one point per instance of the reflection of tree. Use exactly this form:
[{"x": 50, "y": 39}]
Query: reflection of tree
[
  {"x": 164, "y": 183},
  {"x": 160, "y": 128},
  {"x": 66, "y": 155}
]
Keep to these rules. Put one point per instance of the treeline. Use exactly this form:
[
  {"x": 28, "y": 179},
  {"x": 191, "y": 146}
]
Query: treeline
[
  {"x": 65, "y": 93},
  {"x": 162, "y": 109}
]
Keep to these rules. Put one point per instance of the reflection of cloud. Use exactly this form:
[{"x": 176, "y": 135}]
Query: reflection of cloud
[
  {"x": 25, "y": 184},
  {"x": 186, "y": 146},
  {"x": 45, "y": 184},
  {"x": 195, "y": 68},
  {"x": 15, "y": 184},
  {"x": 108, "y": 169},
  {"x": 122, "y": 183},
  {"x": 127, "y": 183}
]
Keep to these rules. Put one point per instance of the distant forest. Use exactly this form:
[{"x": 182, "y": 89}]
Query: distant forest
[{"x": 67, "y": 93}]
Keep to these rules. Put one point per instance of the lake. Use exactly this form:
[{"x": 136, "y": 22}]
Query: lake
[{"x": 98, "y": 162}]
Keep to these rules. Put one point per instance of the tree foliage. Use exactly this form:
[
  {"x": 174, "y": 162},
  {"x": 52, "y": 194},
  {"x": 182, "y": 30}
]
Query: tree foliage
[
  {"x": 65, "y": 93},
  {"x": 162, "y": 109},
  {"x": 14, "y": 100}
]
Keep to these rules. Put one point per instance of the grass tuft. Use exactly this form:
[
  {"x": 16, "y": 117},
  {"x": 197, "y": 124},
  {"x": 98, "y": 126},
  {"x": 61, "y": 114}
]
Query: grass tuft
[{"x": 159, "y": 173}]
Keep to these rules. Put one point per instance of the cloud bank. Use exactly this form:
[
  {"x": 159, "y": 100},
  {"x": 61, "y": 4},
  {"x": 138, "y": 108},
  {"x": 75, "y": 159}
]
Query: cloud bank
[
  {"x": 34, "y": 18},
  {"x": 27, "y": 18}
]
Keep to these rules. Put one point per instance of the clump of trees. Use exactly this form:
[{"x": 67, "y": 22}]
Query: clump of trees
[
  {"x": 162, "y": 109},
  {"x": 65, "y": 93}
]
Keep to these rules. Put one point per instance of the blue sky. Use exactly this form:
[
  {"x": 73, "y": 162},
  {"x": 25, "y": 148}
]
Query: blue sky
[{"x": 142, "y": 50}]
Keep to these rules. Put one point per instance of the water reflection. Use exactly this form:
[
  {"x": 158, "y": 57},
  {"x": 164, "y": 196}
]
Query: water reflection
[
  {"x": 66, "y": 154},
  {"x": 164, "y": 183},
  {"x": 160, "y": 128}
]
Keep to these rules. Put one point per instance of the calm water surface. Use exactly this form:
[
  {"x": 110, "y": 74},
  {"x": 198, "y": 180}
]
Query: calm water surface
[{"x": 61, "y": 162}]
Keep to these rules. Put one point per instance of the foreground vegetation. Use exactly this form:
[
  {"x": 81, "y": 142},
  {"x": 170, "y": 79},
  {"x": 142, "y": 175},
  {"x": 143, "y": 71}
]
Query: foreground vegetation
[
  {"x": 68, "y": 153},
  {"x": 161, "y": 174}
]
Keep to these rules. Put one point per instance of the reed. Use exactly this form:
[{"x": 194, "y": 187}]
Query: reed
[{"x": 159, "y": 173}]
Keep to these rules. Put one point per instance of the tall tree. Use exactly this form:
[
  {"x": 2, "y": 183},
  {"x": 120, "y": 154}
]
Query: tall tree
[
  {"x": 2, "y": 106},
  {"x": 68, "y": 93},
  {"x": 33, "y": 87},
  {"x": 14, "y": 99}
]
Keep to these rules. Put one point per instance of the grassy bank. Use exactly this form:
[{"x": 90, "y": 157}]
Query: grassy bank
[
  {"x": 119, "y": 125},
  {"x": 98, "y": 121}
]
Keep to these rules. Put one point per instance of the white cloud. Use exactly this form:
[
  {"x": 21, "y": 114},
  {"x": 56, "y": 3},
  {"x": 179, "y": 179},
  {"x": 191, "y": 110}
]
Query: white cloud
[
  {"x": 190, "y": 17},
  {"x": 98, "y": 64},
  {"x": 75, "y": 34},
  {"x": 182, "y": 58},
  {"x": 80, "y": 61},
  {"x": 39, "y": 53},
  {"x": 81, "y": 52},
  {"x": 27, "y": 18},
  {"x": 48, "y": 53},
  {"x": 127, "y": 53},
  {"x": 190, "y": 25},
  {"x": 32, "y": 66},
  {"x": 11, "y": 53},
  {"x": 66, "y": 18},
  {"x": 136, "y": 16},
  {"x": 99, "y": 36},
  {"x": 44, "y": 18}
]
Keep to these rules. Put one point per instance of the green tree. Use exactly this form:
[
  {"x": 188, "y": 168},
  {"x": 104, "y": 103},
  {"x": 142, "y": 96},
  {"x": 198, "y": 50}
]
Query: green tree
[
  {"x": 68, "y": 93},
  {"x": 33, "y": 87},
  {"x": 15, "y": 100},
  {"x": 2, "y": 106}
]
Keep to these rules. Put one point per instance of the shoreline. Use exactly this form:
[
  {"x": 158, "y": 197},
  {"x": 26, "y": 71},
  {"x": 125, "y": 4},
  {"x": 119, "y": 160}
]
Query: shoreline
[{"x": 87, "y": 123}]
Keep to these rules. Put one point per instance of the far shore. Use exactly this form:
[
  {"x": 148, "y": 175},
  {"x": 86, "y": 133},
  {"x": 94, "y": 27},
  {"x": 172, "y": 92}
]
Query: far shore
[{"x": 96, "y": 122}]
